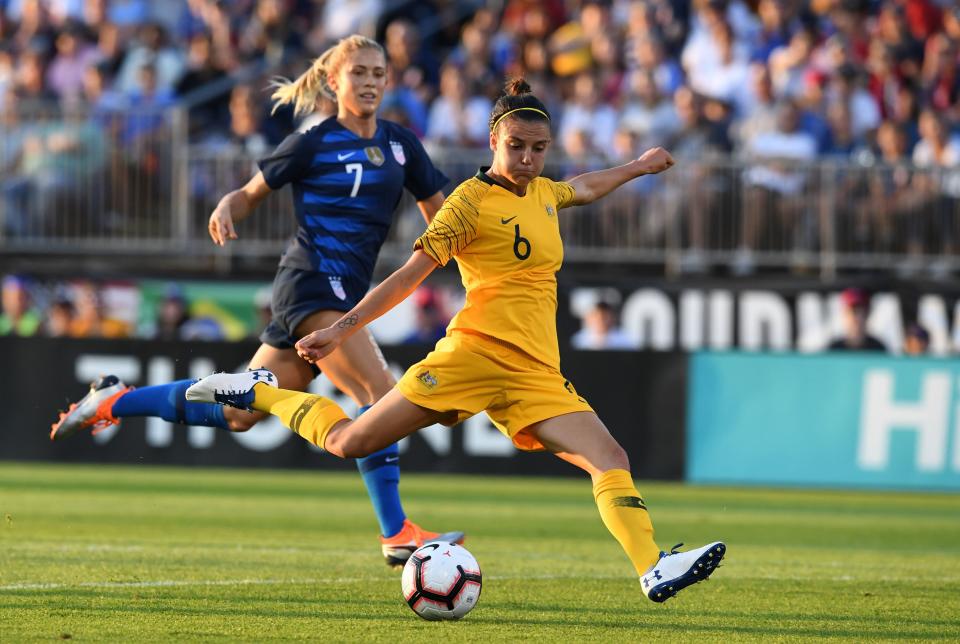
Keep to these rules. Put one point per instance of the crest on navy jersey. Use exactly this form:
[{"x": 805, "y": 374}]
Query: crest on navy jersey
[
  {"x": 336, "y": 285},
  {"x": 397, "y": 148},
  {"x": 375, "y": 155}
]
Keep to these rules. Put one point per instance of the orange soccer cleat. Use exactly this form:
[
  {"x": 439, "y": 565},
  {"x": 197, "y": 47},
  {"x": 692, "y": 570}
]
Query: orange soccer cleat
[
  {"x": 93, "y": 410},
  {"x": 398, "y": 548}
]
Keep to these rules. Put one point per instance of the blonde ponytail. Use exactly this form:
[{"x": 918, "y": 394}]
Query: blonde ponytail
[{"x": 311, "y": 84}]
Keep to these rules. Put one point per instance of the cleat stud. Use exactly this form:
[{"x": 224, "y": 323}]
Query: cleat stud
[{"x": 695, "y": 571}]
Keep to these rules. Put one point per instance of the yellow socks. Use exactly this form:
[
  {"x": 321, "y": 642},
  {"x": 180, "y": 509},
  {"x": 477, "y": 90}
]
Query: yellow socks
[
  {"x": 625, "y": 515},
  {"x": 309, "y": 415}
]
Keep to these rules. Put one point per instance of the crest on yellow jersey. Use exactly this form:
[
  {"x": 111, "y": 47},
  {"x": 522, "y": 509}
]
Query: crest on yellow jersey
[
  {"x": 551, "y": 212},
  {"x": 375, "y": 155},
  {"x": 427, "y": 378}
]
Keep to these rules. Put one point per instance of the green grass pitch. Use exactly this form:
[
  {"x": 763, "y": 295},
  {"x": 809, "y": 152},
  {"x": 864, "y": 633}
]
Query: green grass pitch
[{"x": 102, "y": 553}]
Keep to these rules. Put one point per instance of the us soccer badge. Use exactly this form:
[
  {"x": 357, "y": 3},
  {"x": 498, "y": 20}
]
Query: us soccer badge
[
  {"x": 397, "y": 148},
  {"x": 375, "y": 155}
]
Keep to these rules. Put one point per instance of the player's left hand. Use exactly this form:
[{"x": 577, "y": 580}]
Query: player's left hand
[
  {"x": 655, "y": 160},
  {"x": 319, "y": 344}
]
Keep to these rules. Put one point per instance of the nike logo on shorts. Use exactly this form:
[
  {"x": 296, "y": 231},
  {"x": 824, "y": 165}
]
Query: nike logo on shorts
[
  {"x": 341, "y": 157},
  {"x": 503, "y": 220}
]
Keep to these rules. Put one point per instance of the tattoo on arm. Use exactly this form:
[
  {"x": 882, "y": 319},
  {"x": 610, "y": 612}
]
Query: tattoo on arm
[{"x": 350, "y": 320}]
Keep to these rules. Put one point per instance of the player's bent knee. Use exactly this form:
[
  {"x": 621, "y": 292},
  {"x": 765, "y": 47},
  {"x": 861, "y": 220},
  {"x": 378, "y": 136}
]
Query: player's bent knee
[
  {"x": 356, "y": 446},
  {"x": 618, "y": 459}
]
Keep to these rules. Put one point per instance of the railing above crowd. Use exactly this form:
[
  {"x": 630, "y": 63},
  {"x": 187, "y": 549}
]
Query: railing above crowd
[{"x": 130, "y": 184}]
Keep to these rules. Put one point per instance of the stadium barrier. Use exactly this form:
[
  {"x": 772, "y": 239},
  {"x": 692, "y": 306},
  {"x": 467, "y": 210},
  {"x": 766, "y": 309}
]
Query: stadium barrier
[
  {"x": 76, "y": 182},
  {"x": 640, "y": 396},
  {"x": 838, "y": 420}
]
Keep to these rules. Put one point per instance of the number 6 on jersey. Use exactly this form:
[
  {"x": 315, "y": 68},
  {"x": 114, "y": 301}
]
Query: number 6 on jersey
[{"x": 358, "y": 168}]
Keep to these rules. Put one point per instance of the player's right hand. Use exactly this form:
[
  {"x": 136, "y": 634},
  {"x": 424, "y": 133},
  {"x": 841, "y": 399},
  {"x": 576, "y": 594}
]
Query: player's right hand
[
  {"x": 319, "y": 344},
  {"x": 220, "y": 226}
]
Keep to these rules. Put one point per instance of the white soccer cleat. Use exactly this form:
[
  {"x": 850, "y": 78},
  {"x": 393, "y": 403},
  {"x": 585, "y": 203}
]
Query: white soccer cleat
[
  {"x": 677, "y": 570},
  {"x": 233, "y": 389}
]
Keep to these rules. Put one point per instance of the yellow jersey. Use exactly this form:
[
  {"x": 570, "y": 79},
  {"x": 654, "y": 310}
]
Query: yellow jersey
[{"x": 509, "y": 250}]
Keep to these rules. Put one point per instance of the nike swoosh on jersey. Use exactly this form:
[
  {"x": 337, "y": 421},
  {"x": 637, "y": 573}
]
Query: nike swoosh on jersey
[
  {"x": 342, "y": 157},
  {"x": 507, "y": 221}
]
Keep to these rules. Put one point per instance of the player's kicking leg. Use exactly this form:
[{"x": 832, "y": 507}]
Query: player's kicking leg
[
  {"x": 359, "y": 370},
  {"x": 582, "y": 439}
]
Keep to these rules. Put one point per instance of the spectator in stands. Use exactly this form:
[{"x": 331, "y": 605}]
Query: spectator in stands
[
  {"x": 855, "y": 305},
  {"x": 110, "y": 49},
  {"x": 402, "y": 103},
  {"x": 90, "y": 320},
  {"x": 147, "y": 104},
  {"x": 270, "y": 34},
  {"x": 586, "y": 112},
  {"x": 647, "y": 113},
  {"x": 761, "y": 108},
  {"x": 605, "y": 50},
  {"x": 940, "y": 76},
  {"x": 842, "y": 141},
  {"x": 419, "y": 69},
  {"x": 431, "y": 317},
  {"x": 883, "y": 215},
  {"x": 789, "y": 64},
  {"x": 697, "y": 138},
  {"x": 457, "y": 116},
  {"x": 647, "y": 53},
  {"x": 846, "y": 87},
  {"x": 937, "y": 188},
  {"x": 202, "y": 69},
  {"x": 916, "y": 340},
  {"x": 18, "y": 316},
  {"x": 59, "y": 317},
  {"x": 175, "y": 322},
  {"x": 892, "y": 34},
  {"x": 775, "y": 187},
  {"x": 601, "y": 330},
  {"x": 151, "y": 50},
  {"x": 727, "y": 76},
  {"x": 74, "y": 54},
  {"x": 33, "y": 94},
  {"x": 773, "y": 29}
]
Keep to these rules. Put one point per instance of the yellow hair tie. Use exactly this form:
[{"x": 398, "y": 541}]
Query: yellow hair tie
[{"x": 519, "y": 109}]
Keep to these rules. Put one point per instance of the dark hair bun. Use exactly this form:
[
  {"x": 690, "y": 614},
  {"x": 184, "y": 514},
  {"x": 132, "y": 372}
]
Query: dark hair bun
[{"x": 517, "y": 87}]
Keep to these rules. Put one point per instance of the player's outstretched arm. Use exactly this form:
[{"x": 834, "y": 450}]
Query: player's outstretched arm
[
  {"x": 430, "y": 206},
  {"x": 236, "y": 206},
  {"x": 387, "y": 295},
  {"x": 593, "y": 185}
]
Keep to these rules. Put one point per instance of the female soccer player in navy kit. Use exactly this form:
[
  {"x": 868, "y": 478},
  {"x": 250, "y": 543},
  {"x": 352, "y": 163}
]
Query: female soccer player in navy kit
[{"x": 347, "y": 174}]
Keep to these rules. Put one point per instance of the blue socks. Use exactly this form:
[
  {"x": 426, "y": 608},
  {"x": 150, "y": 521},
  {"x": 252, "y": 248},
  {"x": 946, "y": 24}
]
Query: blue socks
[
  {"x": 168, "y": 402},
  {"x": 381, "y": 475}
]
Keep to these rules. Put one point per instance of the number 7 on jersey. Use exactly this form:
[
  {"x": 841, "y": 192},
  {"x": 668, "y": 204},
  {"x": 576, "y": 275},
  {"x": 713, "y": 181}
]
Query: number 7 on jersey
[{"x": 358, "y": 168}]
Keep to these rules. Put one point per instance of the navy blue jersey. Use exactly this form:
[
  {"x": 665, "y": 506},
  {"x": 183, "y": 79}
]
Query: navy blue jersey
[{"x": 345, "y": 190}]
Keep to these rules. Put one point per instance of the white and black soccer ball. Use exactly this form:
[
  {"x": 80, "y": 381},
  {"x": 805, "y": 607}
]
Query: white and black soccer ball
[{"x": 441, "y": 581}]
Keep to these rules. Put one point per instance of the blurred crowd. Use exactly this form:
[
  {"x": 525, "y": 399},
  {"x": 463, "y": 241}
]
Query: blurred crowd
[
  {"x": 790, "y": 78},
  {"x": 776, "y": 83}
]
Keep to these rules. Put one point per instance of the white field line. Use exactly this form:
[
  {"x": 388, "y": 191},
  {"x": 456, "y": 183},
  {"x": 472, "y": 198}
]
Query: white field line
[{"x": 169, "y": 583}]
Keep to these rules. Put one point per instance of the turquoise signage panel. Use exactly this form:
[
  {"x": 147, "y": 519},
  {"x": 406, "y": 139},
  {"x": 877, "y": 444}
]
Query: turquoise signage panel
[{"x": 860, "y": 420}]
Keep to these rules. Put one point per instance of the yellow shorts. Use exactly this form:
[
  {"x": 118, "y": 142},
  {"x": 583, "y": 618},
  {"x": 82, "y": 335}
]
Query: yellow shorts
[{"x": 466, "y": 374}]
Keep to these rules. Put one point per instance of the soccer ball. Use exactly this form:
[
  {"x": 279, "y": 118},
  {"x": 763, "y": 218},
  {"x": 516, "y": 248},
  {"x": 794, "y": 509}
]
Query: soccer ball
[{"x": 441, "y": 581}]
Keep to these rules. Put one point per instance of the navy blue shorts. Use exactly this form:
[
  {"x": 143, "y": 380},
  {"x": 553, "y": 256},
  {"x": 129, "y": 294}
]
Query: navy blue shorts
[{"x": 297, "y": 294}]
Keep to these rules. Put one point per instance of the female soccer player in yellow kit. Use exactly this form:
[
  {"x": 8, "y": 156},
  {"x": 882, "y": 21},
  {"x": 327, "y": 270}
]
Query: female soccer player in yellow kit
[{"x": 500, "y": 354}]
